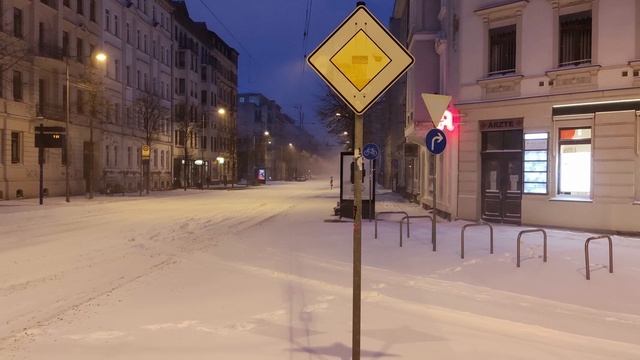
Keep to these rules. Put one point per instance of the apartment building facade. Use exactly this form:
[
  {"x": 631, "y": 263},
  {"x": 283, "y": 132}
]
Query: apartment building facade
[
  {"x": 547, "y": 92},
  {"x": 109, "y": 121},
  {"x": 205, "y": 89}
]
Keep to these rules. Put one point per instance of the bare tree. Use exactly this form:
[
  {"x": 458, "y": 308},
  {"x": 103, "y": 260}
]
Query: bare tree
[
  {"x": 334, "y": 113},
  {"x": 91, "y": 81},
  {"x": 149, "y": 110},
  {"x": 13, "y": 48},
  {"x": 184, "y": 126}
]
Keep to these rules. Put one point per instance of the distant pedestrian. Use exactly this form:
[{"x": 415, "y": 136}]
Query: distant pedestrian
[
  {"x": 331, "y": 182},
  {"x": 224, "y": 180}
]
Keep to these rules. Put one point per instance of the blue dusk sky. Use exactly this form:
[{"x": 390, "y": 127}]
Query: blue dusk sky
[{"x": 268, "y": 34}]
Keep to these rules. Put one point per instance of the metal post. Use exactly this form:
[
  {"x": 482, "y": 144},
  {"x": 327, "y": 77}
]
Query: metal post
[
  {"x": 371, "y": 162},
  {"x": 435, "y": 203},
  {"x": 357, "y": 239},
  {"x": 66, "y": 138},
  {"x": 41, "y": 163},
  {"x": 90, "y": 185}
]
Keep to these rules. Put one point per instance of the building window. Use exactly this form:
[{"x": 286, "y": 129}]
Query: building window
[
  {"x": 67, "y": 3},
  {"x": 162, "y": 159},
  {"x": 128, "y": 31},
  {"x": 65, "y": 43},
  {"x": 116, "y": 31},
  {"x": 155, "y": 158},
  {"x": 17, "y": 85},
  {"x": 16, "y": 148},
  {"x": 116, "y": 113},
  {"x": 115, "y": 156},
  {"x": 80, "y": 8},
  {"x": 92, "y": 10},
  {"x": 574, "y": 162},
  {"x": 138, "y": 156},
  {"x": 502, "y": 53},
  {"x": 79, "y": 50},
  {"x": 117, "y": 67},
  {"x": 575, "y": 39},
  {"x": 128, "y": 74},
  {"x": 107, "y": 20},
  {"x": 181, "y": 87},
  {"x": 79, "y": 102},
  {"x": 17, "y": 23},
  {"x": 107, "y": 155},
  {"x": 536, "y": 163}
]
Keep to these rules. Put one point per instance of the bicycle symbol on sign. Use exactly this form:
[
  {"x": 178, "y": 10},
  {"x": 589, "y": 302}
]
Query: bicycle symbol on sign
[{"x": 370, "y": 151}]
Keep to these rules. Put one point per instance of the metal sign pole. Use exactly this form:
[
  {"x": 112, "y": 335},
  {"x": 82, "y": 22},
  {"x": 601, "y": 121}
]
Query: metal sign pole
[
  {"x": 41, "y": 163},
  {"x": 435, "y": 202},
  {"x": 370, "y": 189},
  {"x": 357, "y": 238}
]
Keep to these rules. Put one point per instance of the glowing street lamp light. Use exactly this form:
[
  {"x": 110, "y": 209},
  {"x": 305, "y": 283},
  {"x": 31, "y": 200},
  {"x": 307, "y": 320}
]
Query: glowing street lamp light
[
  {"x": 290, "y": 145},
  {"x": 345, "y": 133},
  {"x": 101, "y": 57},
  {"x": 220, "y": 160},
  {"x": 222, "y": 111},
  {"x": 338, "y": 114},
  {"x": 266, "y": 133}
]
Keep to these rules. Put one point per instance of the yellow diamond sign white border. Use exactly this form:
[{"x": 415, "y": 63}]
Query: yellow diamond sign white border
[{"x": 320, "y": 60}]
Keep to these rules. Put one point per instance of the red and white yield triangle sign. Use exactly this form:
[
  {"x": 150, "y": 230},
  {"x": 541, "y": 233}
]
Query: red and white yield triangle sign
[{"x": 436, "y": 106}]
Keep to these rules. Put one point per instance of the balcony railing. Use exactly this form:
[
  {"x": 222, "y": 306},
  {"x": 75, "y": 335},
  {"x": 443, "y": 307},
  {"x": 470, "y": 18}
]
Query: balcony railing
[
  {"x": 50, "y": 111},
  {"x": 49, "y": 51}
]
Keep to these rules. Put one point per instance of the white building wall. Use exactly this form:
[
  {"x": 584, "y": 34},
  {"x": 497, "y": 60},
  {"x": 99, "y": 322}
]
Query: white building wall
[{"x": 538, "y": 87}]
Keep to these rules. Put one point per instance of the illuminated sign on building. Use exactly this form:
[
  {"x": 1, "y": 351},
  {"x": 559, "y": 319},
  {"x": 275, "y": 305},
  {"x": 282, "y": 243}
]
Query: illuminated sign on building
[{"x": 449, "y": 119}]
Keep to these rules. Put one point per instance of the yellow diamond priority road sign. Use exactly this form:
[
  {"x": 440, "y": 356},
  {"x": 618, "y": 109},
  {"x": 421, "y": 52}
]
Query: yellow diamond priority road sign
[{"x": 360, "y": 60}]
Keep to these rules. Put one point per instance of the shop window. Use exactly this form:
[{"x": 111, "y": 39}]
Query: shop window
[
  {"x": 536, "y": 163},
  {"x": 508, "y": 140},
  {"x": 574, "y": 159}
]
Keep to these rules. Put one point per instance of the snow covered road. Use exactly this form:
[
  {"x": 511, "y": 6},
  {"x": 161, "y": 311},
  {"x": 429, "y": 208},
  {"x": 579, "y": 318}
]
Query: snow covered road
[{"x": 258, "y": 274}]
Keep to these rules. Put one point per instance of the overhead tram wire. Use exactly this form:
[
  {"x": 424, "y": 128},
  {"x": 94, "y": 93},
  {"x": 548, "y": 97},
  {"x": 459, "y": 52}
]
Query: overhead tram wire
[
  {"x": 305, "y": 35},
  {"x": 232, "y": 36}
]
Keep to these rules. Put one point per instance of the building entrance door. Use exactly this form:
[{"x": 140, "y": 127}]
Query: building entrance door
[{"x": 502, "y": 176}]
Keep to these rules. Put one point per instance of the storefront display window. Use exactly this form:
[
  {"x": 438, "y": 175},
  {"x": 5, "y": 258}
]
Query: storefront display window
[
  {"x": 574, "y": 162},
  {"x": 536, "y": 163}
]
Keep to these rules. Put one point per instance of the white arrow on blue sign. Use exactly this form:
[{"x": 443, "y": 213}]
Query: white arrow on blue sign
[
  {"x": 436, "y": 141},
  {"x": 370, "y": 151}
]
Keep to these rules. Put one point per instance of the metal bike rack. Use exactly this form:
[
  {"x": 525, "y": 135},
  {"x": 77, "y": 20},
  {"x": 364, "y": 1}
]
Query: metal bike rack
[
  {"x": 407, "y": 217},
  {"x": 544, "y": 233},
  {"x": 401, "y": 221},
  {"x": 586, "y": 253},
  {"x": 475, "y": 225}
]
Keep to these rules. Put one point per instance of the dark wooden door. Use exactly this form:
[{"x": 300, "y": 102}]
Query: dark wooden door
[{"x": 502, "y": 187}]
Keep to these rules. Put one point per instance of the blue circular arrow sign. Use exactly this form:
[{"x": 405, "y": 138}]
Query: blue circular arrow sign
[
  {"x": 370, "y": 151},
  {"x": 436, "y": 141}
]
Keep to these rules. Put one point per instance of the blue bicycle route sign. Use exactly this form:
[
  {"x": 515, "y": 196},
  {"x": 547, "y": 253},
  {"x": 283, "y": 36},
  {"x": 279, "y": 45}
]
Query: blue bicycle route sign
[{"x": 370, "y": 151}]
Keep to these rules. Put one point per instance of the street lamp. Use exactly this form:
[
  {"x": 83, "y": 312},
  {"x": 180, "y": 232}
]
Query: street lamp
[
  {"x": 266, "y": 133},
  {"x": 338, "y": 114},
  {"x": 100, "y": 57},
  {"x": 222, "y": 111}
]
